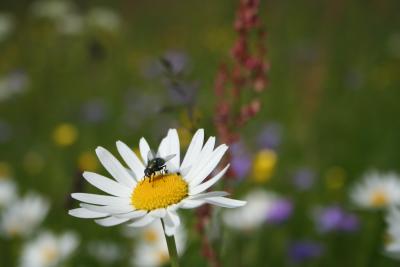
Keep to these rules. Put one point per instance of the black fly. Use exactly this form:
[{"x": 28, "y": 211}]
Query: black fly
[{"x": 156, "y": 164}]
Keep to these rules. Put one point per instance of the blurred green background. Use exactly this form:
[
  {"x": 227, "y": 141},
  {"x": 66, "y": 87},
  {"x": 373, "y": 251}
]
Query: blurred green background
[{"x": 333, "y": 89}]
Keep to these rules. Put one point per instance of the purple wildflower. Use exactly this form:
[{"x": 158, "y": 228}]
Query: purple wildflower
[
  {"x": 182, "y": 92},
  {"x": 13, "y": 83},
  {"x": 177, "y": 63},
  {"x": 270, "y": 136},
  {"x": 241, "y": 160},
  {"x": 334, "y": 218},
  {"x": 350, "y": 223},
  {"x": 280, "y": 211},
  {"x": 94, "y": 111},
  {"x": 303, "y": 179},
  {"x": 301, "y": 251}
]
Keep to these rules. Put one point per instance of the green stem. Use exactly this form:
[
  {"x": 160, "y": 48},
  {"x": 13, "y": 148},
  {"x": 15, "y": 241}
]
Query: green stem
[
  {"x": 173, "y": 253},
  {"x": 376, "y": 246}
]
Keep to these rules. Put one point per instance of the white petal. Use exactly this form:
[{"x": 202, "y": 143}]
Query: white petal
[
  {"x": 108, "y": 209},
  {"x": 185, "y": 171},
  {"x": 86, "y": 214},
  {"x": 210, "y": 165},
  {"x": 193, "y": 151},
  {"x": 174, "y": 148},
  {"x": 145, "y": 220},
  {"x": 171, "y": 222},
  {"x": 225, "y": 202},
  {"x": 144, "y": 149},
  {"x": 174, "y": 217},
  {"x": 172, "y": 168},
  {"x": 204, "y": 186},
  {"x": 100, "y": 199},
  {"x": 173, "y": 207},
  {"x": 209, "y": 195},
  {"x": 162, "y": 148},
  {"x": 107, "y": 185},
  {"x": 111, "y": 221},
  {"x": 201, "y": 159},
  {"x": 159, "y": 213},
  {"x": 169, "y": 228},
  {"x": 114, "y": 167},
  {"x": 191, "y": 204},
  {"x": 132, "y": 214},
  {"x": 131, "y": 160},
  {"x": 169, "y": 145}
]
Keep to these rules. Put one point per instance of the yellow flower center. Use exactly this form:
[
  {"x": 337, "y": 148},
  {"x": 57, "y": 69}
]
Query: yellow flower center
[
  {"x": 13, "y": 231},
  {"x": 159, "y": 192},
  {"x": 49, "y": 254},
  {"x": 150, "y": 236},
  {"x": 163, "y": 257},
  {"x": 379, "y": 199}
]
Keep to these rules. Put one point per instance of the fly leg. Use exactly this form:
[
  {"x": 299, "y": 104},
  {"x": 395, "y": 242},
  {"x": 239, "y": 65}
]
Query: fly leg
[
  {"x": 165, "y": 171},
  {"x": 152, "y": 179}
]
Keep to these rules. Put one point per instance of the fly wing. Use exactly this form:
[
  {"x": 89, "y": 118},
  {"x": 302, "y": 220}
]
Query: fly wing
[
  {"x": 150, "y": 155},
  {"x": 169, "y": 157}
]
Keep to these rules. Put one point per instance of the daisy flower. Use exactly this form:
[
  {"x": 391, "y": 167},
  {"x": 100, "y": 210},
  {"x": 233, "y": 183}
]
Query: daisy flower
[
  {"x": 392, "y": 246},
  {"x": 377, "y": 190},
  {"x": 139, "y": 200},
  {"x": 48, "y": 250},
  {"x": 152, "y": 250},
  {"x": 23, "y": 216}
]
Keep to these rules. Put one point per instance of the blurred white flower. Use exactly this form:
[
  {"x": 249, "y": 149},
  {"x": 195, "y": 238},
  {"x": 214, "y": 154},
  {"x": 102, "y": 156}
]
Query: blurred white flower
[
  {"x": 14, "y": 83},
  {"x": 151, "y": 249},
  {"x": 48, "y": 249},
  {"x": 69, "y": 21},
  {"x": 377, "y": 190},
  {"x": 8, "y": 191},
  {"x": 23, "y": 216},
  {"x": 254, "y": 213},
  {"x": 6, "y": 25},
  {"x": 105, "y": 252},
  {"x": 52, "y": 9},
  {"x": 392, "y": 246},
  {"x": 104, "y": 19},
  {"x": 71, "y": 24},
  {"x": 63, "y": 13}
]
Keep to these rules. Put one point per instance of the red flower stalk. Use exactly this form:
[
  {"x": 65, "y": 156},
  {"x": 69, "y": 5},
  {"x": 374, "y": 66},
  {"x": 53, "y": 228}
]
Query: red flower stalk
[{"x": 244, "y": 78}]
